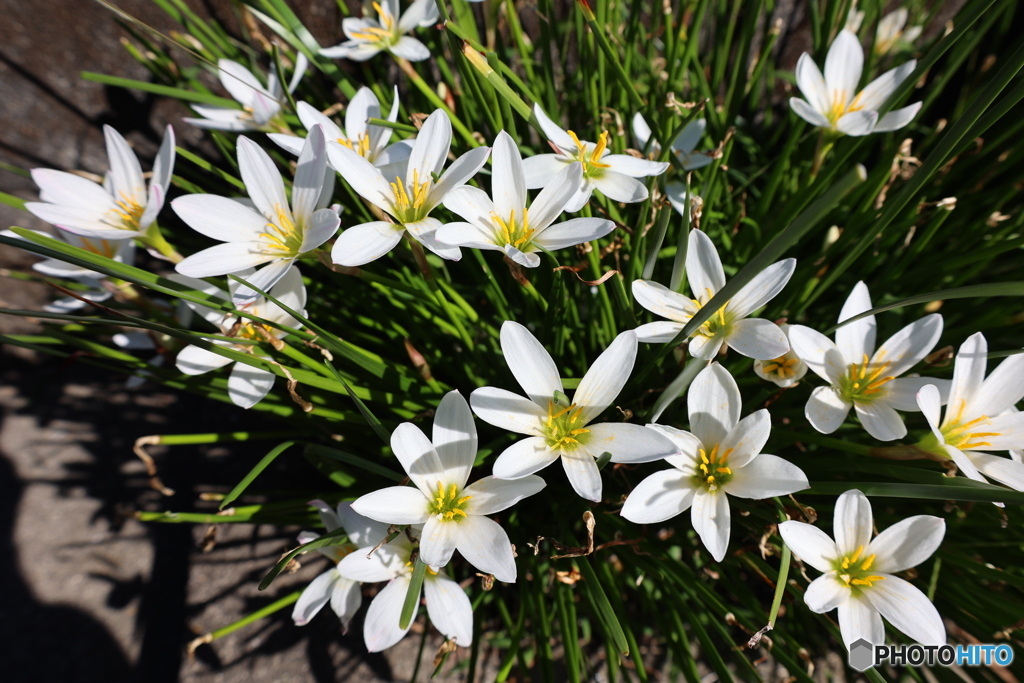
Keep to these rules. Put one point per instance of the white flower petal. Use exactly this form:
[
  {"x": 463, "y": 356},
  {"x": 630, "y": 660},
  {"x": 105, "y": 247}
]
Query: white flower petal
[
  {"x": 875, "y": 93},
  {"x": 659, "y": 497},
  {"x": 410, "y": 48},
  {"x": 859, "y": 619},
  {"x": 383, "y": 564},
  {"x": 557, "y": 192},
  {"x": 659, "y": 299},
  {"x": 506, "y": 410},
  {"x": 380, "y": 626},
  {"x": 555, "y": 134},
  {"x": 910, "y": 345},
  {"x": 491, "y": 495},
  {"x": 1007, "y": 432},
  {"x": 263, "y": 279},
  {"x": 581, "y": 469},
  {"x": 72, "y": 191},
  {"x": 526, "y": 260},
  {"x": 193, "y": 360},
  {"x": 126, "y": 182},
  {"x": 289, "y": 143},
  {"x": 660, "y": 332},
  {"x": 425, "y": 232},
  {"x": 711, "y": 520},
  {"x": 362, "y": 107},
  {"x": 321, "y": 227},
  {"x": 810, "y": 544},
  {"x": 819, "y": 352},
  {"x": 843, "y": 66},
  {"x": 897, "y": 119},
  {"x": 419, "y": 459},
  {"x": 431, "y": 147},
  {"x": 1004, "y": 470},
  {"x": 714, "y": 405},
  {"x": 963, "y": 463},
  {"x": 361, "y": 530},
  {"x": 901, "y": 393},
  {"x": 572, "y": 232},
  {"x": 540, "y": 169},
  {"x": 474, "y": 205},
  {"x": 454, "y": 438},
  {"x": 78, "y": 221},
  {"x": 629, "y": 443},
  {"x": 744, "y": 441},
  {"x": 247, "y": 385},
  {"x": 222, "y": 259},
  {"x": 485, "y": 545},
  {"x": 687, "y": 445},
  {"x": 968, "y": 372},
  {"x": 825, "y": 593},
  {"x": 908, "y": 609},
  {"x": 906, "y": 544},
  {"x": 314, "y": 597},
  {"x": 219, "y": 218},
  {"x": 852, "y": 522},
  {"x": 218, "y": 118},
  {"x": 689, "y": 138},
  {"x": 240, "y": 83},
  {"x": 619, "y": 187},
  {"x": 468, "y": 235},
  {"x": 449, "y": 609},
  {"x": 606, "y": 377},
  {"x": 346, "y": 598},
  {"x": 523, "y": 458},
  {"x": 507, "y": 181},
  {"x": 930, "y": 403},
  {"x": 456, "y": 175},
  {"x": 812, "y": 85},
  {"x": 881, "y": 421},
  {"x": 857, "y": 123},
  {"x": 394, "y": 505},
  {"x": 703, "y": 266},
  {"x": 757, "y": 338},
  {"x": 826, "y": 410},
  {"x": 309, "y": 176},
  {"x": 437, "y": 540},
  {"x": 530, "y": 364},
  {"x": 642, "y": 132},
  {"x": 857, "y": 339},
  {"x": 764, "y": 287},
  {"x": 364, "y": 177},
  {"x": 419, "y": 13},
  {"x": 262, "y": 180},
  {"x": 362, "y": 244},
  {"x": 633, "y": 167},
  {"x": 1002, "y": 389},
  {"x": 806, "y": 111}
]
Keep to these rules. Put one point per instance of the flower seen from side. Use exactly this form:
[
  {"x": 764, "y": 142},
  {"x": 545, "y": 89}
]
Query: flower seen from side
[
  {"x": 893, "y": 33},
  {"x": 858, "y": 572},
  {"x": 369, "y": 36},
  {"x": 730, "y": 325},
  {"x": 261, "y": 106},
  {"x": 506, "y": 224},
  {"x": 683, "y": 146}
]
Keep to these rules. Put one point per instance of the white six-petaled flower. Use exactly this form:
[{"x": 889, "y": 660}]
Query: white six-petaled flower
[
  {"x": 247, "y": 385},
  {"x": 408, "y": 201},
  {"x": 506, "y": 224},
  {"x": 980, "y": 415},
  {"x": 615, "y": 175},
  {"x": 730, "y": 325},
  {"x": 683, "y": 146},
  {"x": 784, "y": 371},
  {"x": 448, "y": 605},
  {"x": 720, "y": 456},
  {"x": 862, "y": 378},
  {"x": 561, "y": 429},
  {"x": 271, "y": 232},
  {"x": 833, "y": 101},
  {"x": 119, "y": 209},
  {"x": 369, "y": 36},
  {"x": 260, "y": 105},
  {"x": 369, "y": 141},
  {"x": 858, "y": 576},
  {"x": 453, "y": 514}
]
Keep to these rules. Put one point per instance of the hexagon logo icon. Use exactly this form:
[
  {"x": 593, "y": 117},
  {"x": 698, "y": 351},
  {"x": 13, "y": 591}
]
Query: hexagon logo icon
[{"x": 861, "y": 654}]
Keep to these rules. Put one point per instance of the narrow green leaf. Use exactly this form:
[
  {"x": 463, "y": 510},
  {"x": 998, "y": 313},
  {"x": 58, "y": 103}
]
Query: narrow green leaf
[
  {"x": 354, "y": 460},
  {"x": 255, "y": 472},
  {"x": 157, "y": 89},
  {"x": 412, "y": 597},
  {"x": 956, "y": 489},
  {"x": 330, "y": 538},
  {"x": 604, "y": 607},
  {"x": 367, "y": 413}
]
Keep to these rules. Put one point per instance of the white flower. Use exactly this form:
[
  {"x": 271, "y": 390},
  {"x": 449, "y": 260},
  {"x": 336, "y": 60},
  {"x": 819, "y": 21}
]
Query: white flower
[
  {"x": 615, "y": 175},
  {"x": 453, "y": 514},
  {"x": 408, "y": 201},
  {"x": 785, "y": 371},
  {"x": 260, "y": 105},
  {"x": 721, "y": 456},
  {"x": 980, "y": 416},
  {"x": 119, "y": 209},
  {"x": 891, "y": 32},
  {"x": 342, "y": 593},
  {"x": 448, "y": 605},
  {"x": 247, "y": 385},
  {"x": 565, "y": 431},
  {"x": 854, "y": 18},
  {"x": 506, "y": 224},
  {"x": 730, "y": 325},
  {"x": 367, "y": 36},
  {"x": 860, "y": 377},
  {"x": 683, "y": 146},
  {"x": 369, "y": 141},
  {"x": 833, "y": 101},
  {"x": 268, "y": 233},
  {"x": 859, "y": 572}
]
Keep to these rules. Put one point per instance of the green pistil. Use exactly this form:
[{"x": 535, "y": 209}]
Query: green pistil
[{"x": 563, "y": 428}]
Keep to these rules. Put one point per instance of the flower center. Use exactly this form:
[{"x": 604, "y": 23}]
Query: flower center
[
  {"x": 338, "y": 552},
  {"x": 592, "y": 166},
  {"x": 446, "y": 505},
  {"x": 127, "y": 214},
  {"x": 103, "y": 248},
  {"x": 409, "y": 567},
  {"x": 853, "y": 571},
  {"x": 863, "y": 382},
  {"x": 784, "y": 366},
  {"x": 410, "y": 202},
  {"x": 717, "y": 323},
  {"x": 510, "y": 232},
  {"x": 360, "y": 146},
  {"x": 962, "y": 435},
  {"x": 282, "y": 235},
  {"x": 384, "y": 34},
  {"x": 712, "y": 472},
  {"x": 840, "y": 108},
  {"x": 563, "y": 429}
]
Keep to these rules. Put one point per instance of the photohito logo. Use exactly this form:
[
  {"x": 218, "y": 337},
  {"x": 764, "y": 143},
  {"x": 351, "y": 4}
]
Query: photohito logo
[{"x": 863, "y": 654}]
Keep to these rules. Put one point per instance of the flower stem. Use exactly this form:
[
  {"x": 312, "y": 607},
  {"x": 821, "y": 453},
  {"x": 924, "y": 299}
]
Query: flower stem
[
  {"x": 412, "y": 597},
  {"x": 154, "y": 239},
  {"x": 825, "y": 142},
  {"x": 428, "y": 276}
]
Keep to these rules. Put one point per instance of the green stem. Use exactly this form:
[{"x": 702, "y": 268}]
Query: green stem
[
  {"x": 413, "y": 596},
  {"x": 153, "y": 238}
]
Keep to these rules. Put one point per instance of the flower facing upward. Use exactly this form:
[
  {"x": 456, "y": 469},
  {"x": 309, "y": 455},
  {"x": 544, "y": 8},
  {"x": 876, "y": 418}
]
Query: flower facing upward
[
  {"x": 506, "y": 223},
  {"x": 784, "y": 371},
  {"x": 980, "y": 415},
  {"x": 615, "y": 175},
  {"x": 730, "y": 325},
  {"x": 453, "y": 514},
  {"x": 368, "y": 36},
  {"x": 261, "y": 106},
  {"x": 247, "y": 384},
  {"x": 859, "y": 572},
  {"x": 561, "y": 429},
  {"x": 683, "y": 146},
  {"x": 271, "y": 232},
  {"x": 862, "y": 378},
  {"x": 833, "y": 102},
  {"x": 119, "y": 209},
  {"x": 407, "y": 200},
  {"x": 720, "y": 456}
]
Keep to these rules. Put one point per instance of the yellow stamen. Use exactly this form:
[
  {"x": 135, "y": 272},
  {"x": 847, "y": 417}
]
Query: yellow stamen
[{"x": 591, "y": 163}]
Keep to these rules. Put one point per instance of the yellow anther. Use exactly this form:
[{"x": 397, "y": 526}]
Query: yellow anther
[
  {"x": 510, "y": 232},
  {"x": 560, "y": 430},
  {"x": 593, "y": 160}
]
